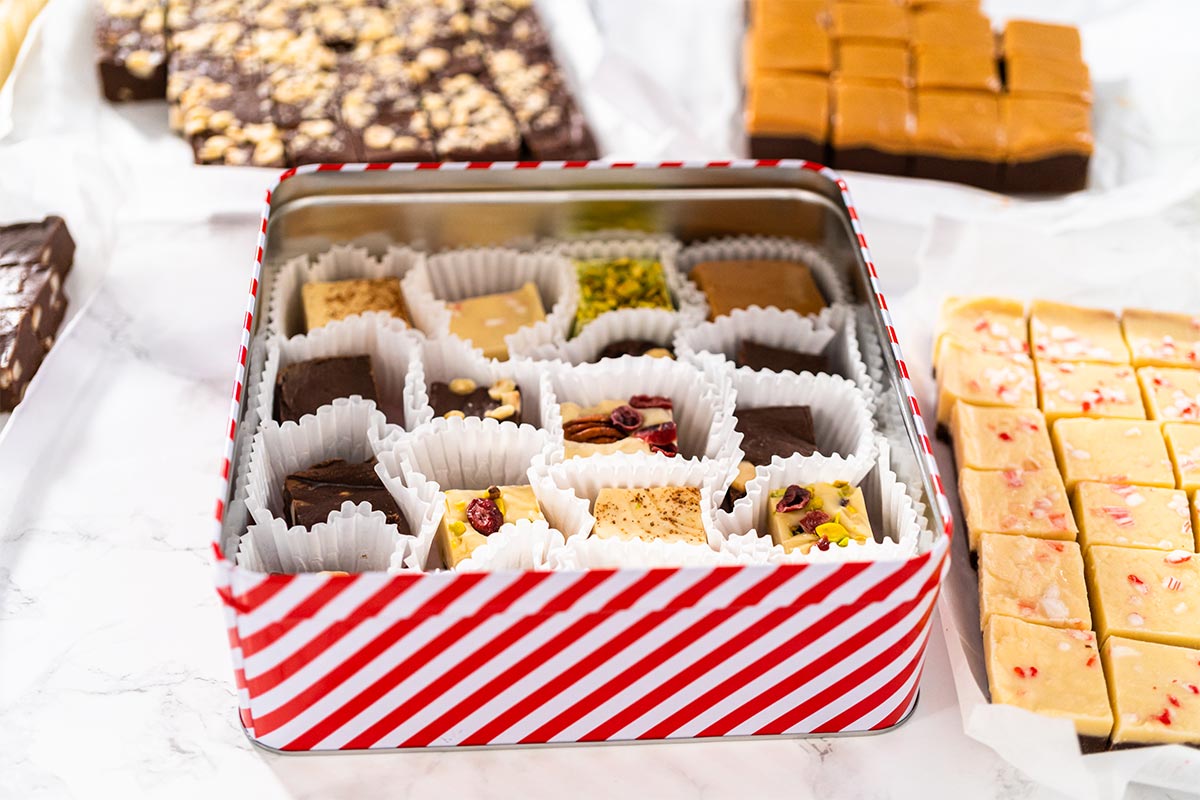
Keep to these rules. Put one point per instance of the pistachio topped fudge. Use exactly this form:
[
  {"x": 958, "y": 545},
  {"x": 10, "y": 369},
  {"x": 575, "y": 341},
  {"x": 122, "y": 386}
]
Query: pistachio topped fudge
[
  {"x": 820, "y": 515},
  {"x": 472, "y": 516},
  {"x": 640, "y": 424},
  {"x": 608, "y": 284}
]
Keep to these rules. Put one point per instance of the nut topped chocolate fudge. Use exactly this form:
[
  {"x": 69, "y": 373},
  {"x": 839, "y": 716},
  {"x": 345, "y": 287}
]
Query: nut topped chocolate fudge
[
  {"x": 640, "y": 424},
  {"x": 463, "y": 397}
]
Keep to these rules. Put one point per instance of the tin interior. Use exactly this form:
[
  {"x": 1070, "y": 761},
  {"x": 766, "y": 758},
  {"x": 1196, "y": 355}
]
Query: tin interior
[{"x": 445, "y": 209}]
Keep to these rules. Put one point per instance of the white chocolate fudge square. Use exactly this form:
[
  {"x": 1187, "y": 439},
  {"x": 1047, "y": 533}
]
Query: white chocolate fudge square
[
  {"x": 1015, "y": 502},
  {"x": 1112, "y": 451},
  {"x": 1000, "y": 438},
  {"x": 984, "y": 379},
  {"x": 1154, "y": 690},
  {"x": 671, "y": 513},
  {"x": 456, "y": 535},
  {"x": 1132, "y": 516},
  {"x": 484, "y": 321},
  {"x": 987, "y": 324},
  {"x": 1171, "y": 395},
  {"x": 1156, "y": 338},
  {"x": 1183, "y": 441},
  {"x": 1037, "y": 580},
  {"x": 1050, "y": 671},
  {"x": 1082, "y": 389},
  {"x": 1145, "y": 594},
  {"x": 1074, "y": 333}
]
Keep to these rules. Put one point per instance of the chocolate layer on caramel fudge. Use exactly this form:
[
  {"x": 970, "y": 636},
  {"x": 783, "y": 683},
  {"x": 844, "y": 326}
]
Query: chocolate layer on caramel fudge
[
  {"x": 870, "y": 129},
  {"x": 1048, "y": 143},
  {"x": 787, "y": 116},
  {"x": 958, "y": 137},
  {"x": 760, "y": 356},
  {"x": 304, "y": 387},
  {"x": 311, "y": 495}
]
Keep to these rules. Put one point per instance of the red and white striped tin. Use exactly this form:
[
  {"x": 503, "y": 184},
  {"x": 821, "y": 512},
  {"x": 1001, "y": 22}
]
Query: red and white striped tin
[{"x": 379, "y": 661}]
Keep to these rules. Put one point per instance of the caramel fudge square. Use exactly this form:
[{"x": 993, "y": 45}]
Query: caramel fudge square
[
  {"x": 1048, "y": 143},
  {"x": 1159, "y": 339},
  {"x": 1014, "y": 502},
  {"x": 787, "y": 115},
  {"x": 1112, "y": 451},
  {"x": 874, "y": 62},
  {"x": 950, "y": 25},
  {"x": 1037, "y": 580},
  {"x": 1155, "y": 691},
  {"x": 1145, "y": 594},
  {"x": 990, "y": 324},
  {"x": 1074, "y": 333},
  {"x": 871, "y": 126},
  {"x": 1000, "y": 438},
  {"x": 938, "y": 66},
  {"x": 958, "y": 133},
  {"x": 1183, "y": 441},
  {"x": 790, "y": 36},
  {"x": 1051, "y": 671},
  {"x": 870, "y": 22},
  {"x": 1082, "y": 389},
  {"x": 1025, "y": 37},
  {"x": 985, "y": 379},
  {"x": 1030, "y": 74},
  {"x": 1171, "y": 395},
  {"x": 786, "y": 285},
  {"x": 1133, "y": 516}
]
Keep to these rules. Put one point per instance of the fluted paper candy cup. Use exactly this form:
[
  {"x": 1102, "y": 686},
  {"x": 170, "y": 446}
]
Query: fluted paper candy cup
[
  {"x": 648, "y": 324},
  {"x": 354, "y": 539},
  {"x": 391, "y": 345},
  {"x": 285, "y": 308},
  {"x": 597, "y": 553},
  {"x": 422, "y": 505},
  {"x": 769, "y": 248},
  {"x": 810, "y": 334},
  {"x": 523, "y": 545}
]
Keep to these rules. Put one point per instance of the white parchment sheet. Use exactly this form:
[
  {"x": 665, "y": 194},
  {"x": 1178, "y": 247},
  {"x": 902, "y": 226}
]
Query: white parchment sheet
[{"x": 660, "y": 79}]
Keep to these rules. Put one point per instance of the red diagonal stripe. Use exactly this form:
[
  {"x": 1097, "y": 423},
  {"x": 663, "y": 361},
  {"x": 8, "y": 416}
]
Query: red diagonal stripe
[
  {"x": 847, "y": 719},
  {"x": 262, "y": 592},
  {"x": 899, "y": 712}
]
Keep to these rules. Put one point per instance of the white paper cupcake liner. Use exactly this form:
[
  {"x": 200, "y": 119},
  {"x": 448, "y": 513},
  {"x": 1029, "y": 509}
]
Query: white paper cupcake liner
[
  {"x": 355, "y": 539},
  {"x": 649, "y": 324},
  {"x": 523, "y": 545},
  {"x": 285, "y": 314},
  {"x": 598, "y": 553},
  {"x": 770, "y": 248},
  {"x": 810, "y": 334},
  {"x": 392, "y": 346},
  {"x": 422, "y": 505}
]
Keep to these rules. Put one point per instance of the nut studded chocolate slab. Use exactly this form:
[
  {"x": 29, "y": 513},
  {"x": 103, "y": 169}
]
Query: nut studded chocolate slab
[{"x": 132, "y": 49}]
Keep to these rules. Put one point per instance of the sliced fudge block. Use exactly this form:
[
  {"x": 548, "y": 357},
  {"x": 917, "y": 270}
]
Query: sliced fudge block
[
  {"x": 311, "y": 495},
  {"x": 1171, "y": 395},
  {"x": 326, "y": 301},
  {"x": 1145, "y": 594},
  {"x": 486, "y": 320},
  {"x": 1037, "y": 580},
  {"x": 132, "y": 50},
  {"x": 1000, "y": 438},
  {"x": 1015, "y": 502},
  {"x": 305, "y": 386},
  {"x": 1048, "y": 143},
  {"x": 1183, "y": 442},
  {"x": 668, "y": 513},
  {"x": 1155, "y": 691},
  {"x": 871, "y": 126},
  {"x": 991, "y": 324},
  {"x": 1082, "y": 389},
  {"x": 1041, "y": 38},
  {"x": 787, "y": 115},
  {"x": 1074, "y": 333},
  {"x": 983, "y": 379},
  {"x": 958, "y": 135},
  {"x": 1112, "y": 451},
  {"x": 1133, "y": 516},
  {"x": 1159, "y": 339}
]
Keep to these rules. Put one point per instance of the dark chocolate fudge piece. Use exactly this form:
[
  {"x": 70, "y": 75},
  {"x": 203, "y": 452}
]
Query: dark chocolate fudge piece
[
  {"x": 462, "y": 397},
  {"x": 551, "y": 124},
  {"x": 635, "y": 347},
  {"x": 304, "y": 387},
  {"x": 31, "y": 309},
  {"x": 46, "y": 243},
  {"x": 321, "y": 141},
  {"x": 470, "y": 122},
  {"x": 132, "y": 49},
  {"x": 776, "y": 431},
  {"x": 760, "y": 356},
  {"x": 311, "y": 495}
]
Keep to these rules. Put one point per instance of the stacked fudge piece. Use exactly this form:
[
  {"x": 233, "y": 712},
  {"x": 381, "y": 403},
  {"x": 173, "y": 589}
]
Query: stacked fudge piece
[
  {"x": 287, "y": 82},
  {"x": 921, "y": 88},
  {"x": 35, "y": 258},
  {"x": 1077, "y": 441}
]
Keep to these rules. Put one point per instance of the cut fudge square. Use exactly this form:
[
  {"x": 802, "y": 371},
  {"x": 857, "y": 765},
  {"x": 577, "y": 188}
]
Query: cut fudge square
[
  {"x": 1171, "y": 395},
  {"x": 1074, "y": 333},
  {"x": 311, "y": 495},
  {"x": 870, "y": 21},
  {"x": 1049, "y": 671},
  {"x": 786, "y": 285},
  {"x": 305, "y": 386},
  {"x": 1183, "y": 441},
  {"x": 870, "y": 61},
  {"x": 776, "y": 431},
  {"x": 326, "y": 301},
  {"x": 471, "y": 516},
  {"x": 484, "y": 321},
  {"x": 1132, "y": 516},
  {"x": 1156, "y": 338},
  {"x": 462, "y": 397},
  {"x": 939, "y": 66},
  {"x": 1037, "y": 580},
  {"x": 669, "y": 513},
  {"x": 1155, "y": 691},
  {"x": 637, "y": 424},
  {"x": 1145, "y": 594},
  {"x": 790, "y": 36},
  {"x": 1032, "y": 74},
  {"x": 871, "y": 127},
  {"x": 949, "y": 25},
  {"x": 1112, "y": 451},
  {"x": 958, "y": 133},
  {"x": 1000, "y": 438},
  {"x": 1025, "y": 37},
  {"x": 787, "y": 115},
  {"x": 1048, "y": 143},
  {"x": 1015, "y": 502},
  {"x": 984, "y": 379},
  {"x": 321, "y": 141},
  {"x": 1083, "y": 389},
  {"x": 820, "y": 515},
  {"x": 990, "y": 324}
]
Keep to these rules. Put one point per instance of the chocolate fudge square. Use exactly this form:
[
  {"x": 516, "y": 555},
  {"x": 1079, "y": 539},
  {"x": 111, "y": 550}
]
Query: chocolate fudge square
[
  {"x": 304, "y": 387},
  {"x": 47, "y": 244},
  {"x": 635, "y": 347},
  {"x": 311, "y": 495},
  {"x": 320, "y": 141},
  {"x": 462, "y": 397},
  {"x": 778, "y": 359},
  {"x": 871, "y": 127},
  {"x": 787, "y": 115},
  {"x": 776, "y": 431},
  {"x": 958, "y": 137},
  {"x": 470, "y": 122}
]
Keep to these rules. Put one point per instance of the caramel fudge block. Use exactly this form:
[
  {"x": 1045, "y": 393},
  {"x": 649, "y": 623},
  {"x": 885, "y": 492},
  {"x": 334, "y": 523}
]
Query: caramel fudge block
[
  {"x": 1036, "y": 580},
  {"x": 1049, "y": 143},
  {"x": 1112, "y": 451},
  {"x": 484, "y": 321},
  {"x": 1145, "y": 594},
  {"x": 953, "y": 27},
  {"x": 1031, "y": 75},
  {"x": 874, "y": 62},
  {"x": 611, "y": 284},
  {"x": 132, "y": 50},
  {"x": 740, "y": 284},
  {"x": 790, "y": 36},
  {"x": 787, "y": 115},
  {"x": 1081, "y": 389},
  {"x": 1074, "y": 333},
  {"x": 326, "y": 301},
  {"x": 1132, "y": 516},
  {"x": 1155, "y": 691},
  {"x": 870, "y": 22},
  {"x": 870, "y": 127},
  {"x": 990, "y": 324},
  {"x": 1015, "y": 502},
  {"x": 305, "y": 386},
  {"x": 667, "y": 513},
  {"x": 311, "y": 495},
  {"x": 940, "y": 66},
  {"x": 984, "y": 379},
  {"x": 462, "y": 397},
  {"x": 1025, "y": 37},
  {"x": 1000, "y": 438},
  {"x": 958, "y": 133},
  {"x": 1171, "y": 395},
  {"x": 1051, "y": 671},
  {"x": 472, "y": 516},
  {"x": 1183, "y": 441},
  {"x": 641, "y": 424},
  {"x": 1159, "y": 339},
  {"x": 820, "y": 515}
]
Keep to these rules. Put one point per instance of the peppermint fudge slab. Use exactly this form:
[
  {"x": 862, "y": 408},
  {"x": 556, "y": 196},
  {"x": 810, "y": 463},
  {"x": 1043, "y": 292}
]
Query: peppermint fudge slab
[
  {"x": 1154, "y": 690},
  {"x": 1015, "y": 502},
  {"x": 1112, "y": 451},
  {"x": 1036, "y": 580},
  {"x": 1145, "y": 594},
  {"x": 994, "y": 438},
  {"x": 1132, "y": 516}
]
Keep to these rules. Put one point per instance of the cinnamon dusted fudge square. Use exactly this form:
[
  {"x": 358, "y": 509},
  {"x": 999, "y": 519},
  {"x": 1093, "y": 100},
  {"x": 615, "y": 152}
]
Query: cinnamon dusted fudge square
[
  {"x": 874, "y": 62},
  {"x": 820, "y": 515},
  {"x": 1015, "y": 502},
  {"x": 1051, "y": 671},
  {"x": 667, "y": 513},
  {"x": 1037, "y": 580},
  {"x": 486, "y": 320},
  {"x": 851, "y": 21},
  {"x": 1082, "y": 389},
  {"x": 1133, "y": 516},
  {"x": 871, "y": 127},
  {"x": 1159, "y": 339},
  {"x": 305, "y": 386},
  {"x": 730, "y": 285},
  {"x": 1171, "y": 395},
  {"x": 1145, "y": 594},
  {"x": 940, "y": 66},
  {"x": 471, "y": 516},
  {"x": 1026, "y": 37},
  {"x": 787, "y": 115},
  {"x": 984, "y": 379},
  {"x": 1048, "y": 143},
  {"x": 1183, "y": 441},
  {"x": 1000, "y": 438},
  {"x": 1155, "y": 691},
  {"x": 953, "y": 26},
  {"x": 990, "y": 324},
  {"x": 791, "y": 35},
  {"x": 958, "y": 133},
  {"x": 1074, "y": 333},
  {"x": 1032, "y": 75},
  {"x": 311, "y": 495},
  {"x": 326, "y": 301},
  {"x": 1112, "y": 451}
]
